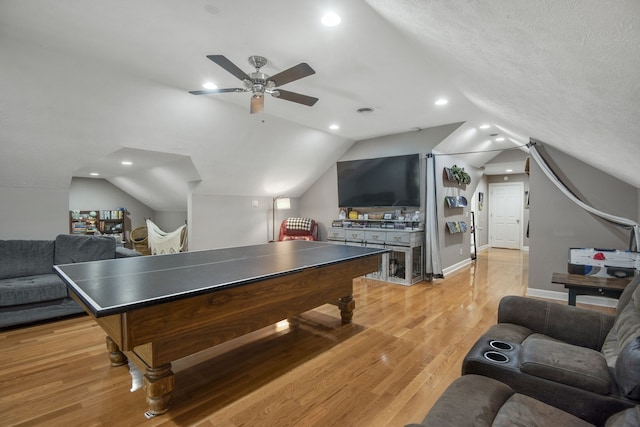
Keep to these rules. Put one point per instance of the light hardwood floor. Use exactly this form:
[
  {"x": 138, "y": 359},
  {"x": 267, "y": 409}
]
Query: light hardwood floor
[{"x": 404, "y": 347}]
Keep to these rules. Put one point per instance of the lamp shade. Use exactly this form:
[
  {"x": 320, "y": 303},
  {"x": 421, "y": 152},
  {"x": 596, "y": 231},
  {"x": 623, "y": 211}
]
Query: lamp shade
[{"x": 283, "y": 203}]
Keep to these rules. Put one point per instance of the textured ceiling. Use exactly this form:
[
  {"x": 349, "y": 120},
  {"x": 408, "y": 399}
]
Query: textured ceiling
[
  {"x": 83, "y": 80},
  {"x": 564, "y": 72}
]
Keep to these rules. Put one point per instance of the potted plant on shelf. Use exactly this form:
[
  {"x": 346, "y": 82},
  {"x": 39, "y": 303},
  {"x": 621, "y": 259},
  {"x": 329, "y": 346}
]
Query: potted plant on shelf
[{"x": 458, "y": 174}]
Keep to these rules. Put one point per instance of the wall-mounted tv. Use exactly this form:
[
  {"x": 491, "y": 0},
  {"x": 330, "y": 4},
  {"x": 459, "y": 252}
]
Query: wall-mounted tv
[{"x": 380, "y": 182}]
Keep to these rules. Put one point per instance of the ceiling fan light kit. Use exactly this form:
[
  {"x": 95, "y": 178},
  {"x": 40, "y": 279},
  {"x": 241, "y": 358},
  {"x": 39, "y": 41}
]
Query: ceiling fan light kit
[{"x": 259, "y": 83}]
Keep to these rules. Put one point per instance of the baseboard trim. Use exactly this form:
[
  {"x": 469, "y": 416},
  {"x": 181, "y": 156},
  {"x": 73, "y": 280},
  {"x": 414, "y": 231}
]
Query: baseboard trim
[
  {"x": 456, "y": 266},
  {"x": 563, "y": 296}
]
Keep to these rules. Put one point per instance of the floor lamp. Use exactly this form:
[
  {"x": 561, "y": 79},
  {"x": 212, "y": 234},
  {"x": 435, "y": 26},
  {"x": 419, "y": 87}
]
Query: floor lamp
[{"x": 279, "y": 202}]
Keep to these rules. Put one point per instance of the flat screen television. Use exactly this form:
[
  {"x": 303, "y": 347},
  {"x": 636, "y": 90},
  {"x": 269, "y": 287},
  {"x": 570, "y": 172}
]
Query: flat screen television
[{"x": 380, "y": 182}]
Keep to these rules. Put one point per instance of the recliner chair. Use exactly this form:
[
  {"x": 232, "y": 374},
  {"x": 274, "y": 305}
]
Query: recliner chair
[{"x": 581, "y": 361}]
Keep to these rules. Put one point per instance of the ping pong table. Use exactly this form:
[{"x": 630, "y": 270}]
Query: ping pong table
[{"x": 158, "y": 309}]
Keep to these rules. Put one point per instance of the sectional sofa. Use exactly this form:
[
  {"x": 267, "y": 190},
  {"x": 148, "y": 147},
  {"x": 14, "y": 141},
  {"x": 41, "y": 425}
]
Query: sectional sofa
[
  {"x": 545, "y": 364},
  {"x": 29, "y": 289}
]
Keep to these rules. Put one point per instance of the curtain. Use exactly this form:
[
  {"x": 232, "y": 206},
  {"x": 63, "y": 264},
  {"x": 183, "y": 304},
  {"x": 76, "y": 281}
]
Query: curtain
[
  {"x": 433, "y": 263},
  {"x": 623, "y": 222}
]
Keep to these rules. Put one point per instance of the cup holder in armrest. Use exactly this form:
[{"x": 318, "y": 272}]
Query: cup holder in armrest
[
  {"x": 501, "y": 345},
  {"x": 494, "y": 356}
]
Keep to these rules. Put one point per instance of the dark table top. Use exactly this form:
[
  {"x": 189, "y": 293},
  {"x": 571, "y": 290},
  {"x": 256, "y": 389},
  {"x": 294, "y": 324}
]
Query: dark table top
[
  {"x": 585, "y": 281},
  {"x": 119, "y": 285}
]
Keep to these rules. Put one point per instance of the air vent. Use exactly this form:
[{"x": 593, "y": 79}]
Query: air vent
[{"x": 365, "y": 110}]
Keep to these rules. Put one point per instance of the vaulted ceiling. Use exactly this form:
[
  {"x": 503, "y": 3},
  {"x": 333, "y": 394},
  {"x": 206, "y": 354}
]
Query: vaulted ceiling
[{"x": 86, "y": 81}]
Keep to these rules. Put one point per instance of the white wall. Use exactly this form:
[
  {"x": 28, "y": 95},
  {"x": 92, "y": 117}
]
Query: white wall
[
  {"x": 169, "y": 221},
  {"x": 227, "y": 221},
  {"x": 33, "y": 213}
]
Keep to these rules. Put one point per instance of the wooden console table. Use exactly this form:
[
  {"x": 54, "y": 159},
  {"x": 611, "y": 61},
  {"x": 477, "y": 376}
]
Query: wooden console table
[{"x": 579, "y": 284}]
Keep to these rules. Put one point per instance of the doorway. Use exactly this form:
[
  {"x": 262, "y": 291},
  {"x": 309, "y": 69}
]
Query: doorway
[{"x": 505, "y": 215}]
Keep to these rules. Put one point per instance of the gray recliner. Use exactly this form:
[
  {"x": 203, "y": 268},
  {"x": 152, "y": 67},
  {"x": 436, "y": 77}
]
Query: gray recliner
[
  {"x": 474, "y": 400},
  {"x": 583, "y": 362}
]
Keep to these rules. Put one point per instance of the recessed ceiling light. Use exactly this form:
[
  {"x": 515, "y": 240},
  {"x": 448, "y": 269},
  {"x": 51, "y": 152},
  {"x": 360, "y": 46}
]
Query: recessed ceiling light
[
  {"x": 94, "y": 174},
  {"x": 441, "y": 101},
  {"x": 500, "y": 139},
  {"x": 485, "y": 126},
  {"x": 509, "y": 170},
  {"x": 330, "y": 19},
  {"x": 210, "y": 85},
  {"x": 126, "y": 163},
  {"x": 334, "y": 127}
]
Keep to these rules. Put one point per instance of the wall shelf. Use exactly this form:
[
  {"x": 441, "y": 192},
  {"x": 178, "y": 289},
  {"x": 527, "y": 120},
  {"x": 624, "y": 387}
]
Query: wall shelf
[
  {"x": 458, "y": 175},
  {"x": 456, "y": 227},
  {"x": 456, "y": 201}
]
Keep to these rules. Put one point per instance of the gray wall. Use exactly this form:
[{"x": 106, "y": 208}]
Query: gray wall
[
  {"x": 514, "y": 159},
  {"x": 89, "y": 193},
  {"x": 481, "y": 214},
  {"x": 518, "y": 177},
  {"x": 321, "y": 200},
  {"x": 454, "y": 248},
  {"x": 557, "y": 224}
]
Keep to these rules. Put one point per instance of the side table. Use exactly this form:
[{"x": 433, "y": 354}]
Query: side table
[{"x": 579, "y": 284}]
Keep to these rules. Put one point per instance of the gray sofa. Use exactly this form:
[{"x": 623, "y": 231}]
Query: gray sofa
[
  {"x": 29, "y": 289},
  {"x": 477, "y": 401},
  {"x": 580, "y": 361}
]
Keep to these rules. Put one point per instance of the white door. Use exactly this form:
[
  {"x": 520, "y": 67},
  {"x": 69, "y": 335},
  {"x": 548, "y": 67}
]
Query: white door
[{"x": 505, "y": 212}]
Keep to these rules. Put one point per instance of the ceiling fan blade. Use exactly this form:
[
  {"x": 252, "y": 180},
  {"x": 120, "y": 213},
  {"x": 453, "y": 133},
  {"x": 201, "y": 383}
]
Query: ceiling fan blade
[
  {"x": 296, "y": 97},
  {"x": 257, "y": 104},
  {"x": 294, "y": 73},
  {"x": 229, "y": 66},
  {"x": 207, "y": 91}
]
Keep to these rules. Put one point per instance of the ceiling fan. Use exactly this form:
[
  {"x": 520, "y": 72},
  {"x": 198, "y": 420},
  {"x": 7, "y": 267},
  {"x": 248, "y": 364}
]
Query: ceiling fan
[{"x": 259, "y": 83}]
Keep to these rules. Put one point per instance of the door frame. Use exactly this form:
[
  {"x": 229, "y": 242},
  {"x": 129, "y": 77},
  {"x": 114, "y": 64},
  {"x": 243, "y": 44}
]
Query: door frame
[{"x": 520, "y": 211}]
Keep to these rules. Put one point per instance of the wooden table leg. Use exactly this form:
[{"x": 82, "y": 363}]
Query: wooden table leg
[
  {"x": 572, "y": 296},
  {"x": 346, "y": 305},
  {"x": 116, "y": 356},
  {"x": 158, "y": 383}
]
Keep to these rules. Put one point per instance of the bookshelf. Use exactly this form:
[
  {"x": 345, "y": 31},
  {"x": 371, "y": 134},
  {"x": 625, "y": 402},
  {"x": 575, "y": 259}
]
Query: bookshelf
[
  {"x": 103, "y": 222},
  {"x": 83, "y": 222}
]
